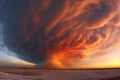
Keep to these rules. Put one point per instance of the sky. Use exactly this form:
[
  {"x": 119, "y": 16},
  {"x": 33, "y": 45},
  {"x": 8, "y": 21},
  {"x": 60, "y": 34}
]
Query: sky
[
  {"x": 61, "y": 34},
  {"x": 9, "y": 58}
]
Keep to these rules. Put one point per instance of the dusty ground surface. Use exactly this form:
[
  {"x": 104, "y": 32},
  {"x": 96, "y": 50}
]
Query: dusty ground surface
[{"x": 39, "y": 74}]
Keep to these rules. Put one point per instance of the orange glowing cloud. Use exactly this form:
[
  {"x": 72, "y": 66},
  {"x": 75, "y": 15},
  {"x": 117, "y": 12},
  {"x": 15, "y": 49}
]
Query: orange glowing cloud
[
  {"x": 76, "y": 29},
  {"x": 68, "y": 31}
]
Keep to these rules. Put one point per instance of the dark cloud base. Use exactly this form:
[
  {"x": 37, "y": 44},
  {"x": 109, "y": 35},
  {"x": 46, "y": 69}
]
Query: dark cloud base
[{"x": 60, "y": 32}]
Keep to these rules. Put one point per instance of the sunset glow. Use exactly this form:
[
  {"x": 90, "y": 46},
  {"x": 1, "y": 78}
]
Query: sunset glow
[{"x": 63, "y": 34}]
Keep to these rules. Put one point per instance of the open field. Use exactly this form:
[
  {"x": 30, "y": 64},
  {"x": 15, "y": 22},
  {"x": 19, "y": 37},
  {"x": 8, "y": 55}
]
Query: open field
[{"x": 44, "y": 74}]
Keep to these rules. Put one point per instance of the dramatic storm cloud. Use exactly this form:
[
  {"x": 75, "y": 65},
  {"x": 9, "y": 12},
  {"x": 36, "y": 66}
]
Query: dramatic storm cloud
[{"x": 60, "y": 33}]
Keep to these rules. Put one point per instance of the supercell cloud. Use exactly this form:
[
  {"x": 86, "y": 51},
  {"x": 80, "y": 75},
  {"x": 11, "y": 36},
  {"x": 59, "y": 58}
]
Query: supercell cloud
[{"x": 60, "y": 33}]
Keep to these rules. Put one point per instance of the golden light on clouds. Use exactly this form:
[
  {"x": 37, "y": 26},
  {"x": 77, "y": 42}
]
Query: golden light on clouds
[
  {"x": 107, "y": 59},
  {"x": 66, "y": 33}
]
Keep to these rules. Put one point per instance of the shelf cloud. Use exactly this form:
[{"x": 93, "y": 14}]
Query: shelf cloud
[{"x": 60, "y": 33}]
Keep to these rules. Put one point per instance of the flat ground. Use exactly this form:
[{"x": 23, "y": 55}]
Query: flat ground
[{"x": 43, "y": 74}]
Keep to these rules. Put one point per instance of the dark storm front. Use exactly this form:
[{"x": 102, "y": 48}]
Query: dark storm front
[{"x": 60, "y": 33}]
